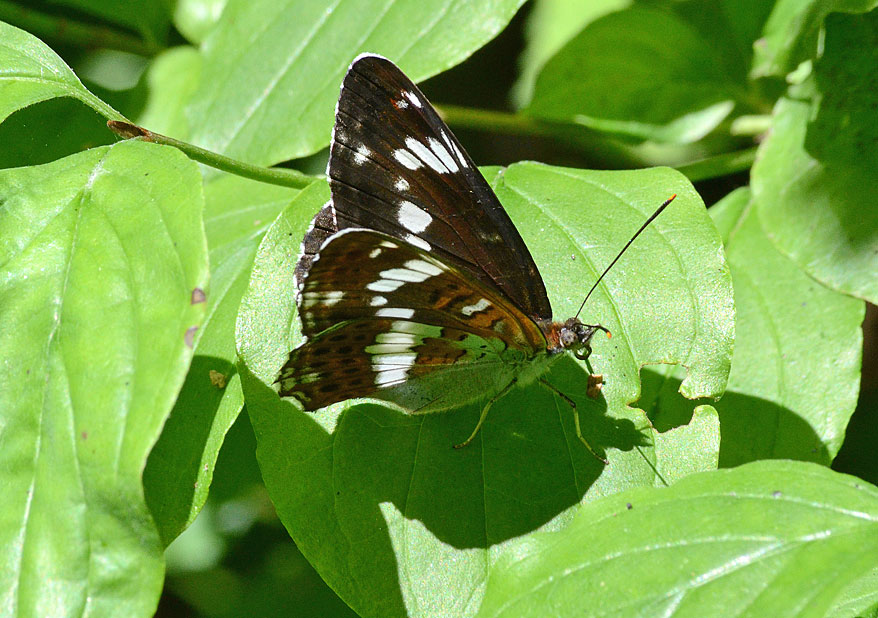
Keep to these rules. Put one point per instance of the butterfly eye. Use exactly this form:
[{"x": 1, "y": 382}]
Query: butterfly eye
[{"x": 568, "y": 337}]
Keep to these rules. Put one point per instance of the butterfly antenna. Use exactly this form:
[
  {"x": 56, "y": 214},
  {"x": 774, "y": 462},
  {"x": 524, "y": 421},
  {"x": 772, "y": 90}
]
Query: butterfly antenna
[{"x": 628, "y": 244}]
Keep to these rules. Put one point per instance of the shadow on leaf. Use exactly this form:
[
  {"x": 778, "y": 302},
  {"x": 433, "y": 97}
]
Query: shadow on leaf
[
  {"x": 170, "y": 480},
  {"x": 751, "y": 428},
  {"x": 394, "y": 483}
]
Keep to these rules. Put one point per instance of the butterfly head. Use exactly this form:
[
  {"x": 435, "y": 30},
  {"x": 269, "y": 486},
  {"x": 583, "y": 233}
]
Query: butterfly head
[{"x": 576, "y": 337}]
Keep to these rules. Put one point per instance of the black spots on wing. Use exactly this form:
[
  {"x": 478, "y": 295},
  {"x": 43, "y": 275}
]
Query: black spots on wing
[
  {"x": 329, "y": 387},
  {"x": 462, "y": 337},
  {"x": 350, "y": 370},
  {"x": 345, "y": 349},
  {"x": 360, "y": 337},
  {"x": 338, "y": 338},
  {"x": 356, "y": 382},
  {"x": 435, "y": 296},
  {"x": 323, "y": 349},
  {"x": 460, "y": 299}
]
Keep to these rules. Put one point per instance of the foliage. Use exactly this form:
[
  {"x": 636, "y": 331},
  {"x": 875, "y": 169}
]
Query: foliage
[{"x": 146, "y": 304}]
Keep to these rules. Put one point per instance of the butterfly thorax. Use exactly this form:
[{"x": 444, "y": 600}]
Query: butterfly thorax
[{"x": 570, "y": 335}]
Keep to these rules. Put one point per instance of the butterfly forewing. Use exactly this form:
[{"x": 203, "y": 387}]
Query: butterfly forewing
[{"x": 395, "y": 167}]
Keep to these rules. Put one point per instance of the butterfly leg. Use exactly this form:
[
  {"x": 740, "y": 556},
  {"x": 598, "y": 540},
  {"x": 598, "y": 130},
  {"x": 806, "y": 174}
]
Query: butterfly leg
[
  {"x": 575, "y": 418},
  {"x": 485, "y": 413}
]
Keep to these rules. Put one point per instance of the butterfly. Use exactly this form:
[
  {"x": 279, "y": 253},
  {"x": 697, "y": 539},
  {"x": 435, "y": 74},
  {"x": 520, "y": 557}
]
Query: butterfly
[{"x": 415, "y": 287}]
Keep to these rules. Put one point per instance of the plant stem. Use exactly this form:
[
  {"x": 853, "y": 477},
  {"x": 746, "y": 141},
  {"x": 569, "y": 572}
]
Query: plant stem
[
  {"x": 720, "y": 165},
  {"x": 77, "y": 33},
  {"x": 271, "y": 175},
  {"x": 492, "y": 120},
  {"x": 595, "y": 145},
  {"x": 610, "y": 152}
]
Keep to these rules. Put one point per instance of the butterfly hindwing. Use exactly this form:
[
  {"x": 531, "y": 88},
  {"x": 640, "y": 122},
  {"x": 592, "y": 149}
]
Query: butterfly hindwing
[
  {"x": 366, "y": 274},
  {"x": 395, "y": 167},
  {"x": 414, "y": 365},
  {"x": 388, "y": 320},
  {"x": 322, "y": 227}
]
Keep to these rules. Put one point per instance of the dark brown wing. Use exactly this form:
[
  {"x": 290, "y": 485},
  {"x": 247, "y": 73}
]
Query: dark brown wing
[{"x": 395, "y": 167}]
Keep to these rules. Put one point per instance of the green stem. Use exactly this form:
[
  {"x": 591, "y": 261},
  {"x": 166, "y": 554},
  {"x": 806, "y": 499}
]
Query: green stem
[
  {"x": 80, "y": 34},
  {"x": 491, "y": 120},
  {"x": 271, "y": 175},
  {"x": 589, "y": 142},
  {"x": 593, "y": 143},
  {"x": 720, "y": 165}
]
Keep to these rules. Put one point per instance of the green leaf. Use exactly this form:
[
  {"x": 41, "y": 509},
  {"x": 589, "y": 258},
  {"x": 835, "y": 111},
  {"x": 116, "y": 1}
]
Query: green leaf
[
  {"x": 774, "y": 538},
  {"x": 814, "y": 181},
  {"x": 172, "y": 78},
  {"x": 180, "y": 468},
  {"x": 101, "y": 257},
  {"x": 550, "y": 25},
  {"x": 859, "y": 599},
  {"x": 272, "y": 69},
  {"x": 398, "y": 522},
  {"x": 30, "y": 72},
  {"x": 792, "y": 31},
  {"x": 674, "y": 280},
  {"x": 690, "y": 448},
  {"x": 795, "y": 372},
  {"x": 642, "y": 72}
]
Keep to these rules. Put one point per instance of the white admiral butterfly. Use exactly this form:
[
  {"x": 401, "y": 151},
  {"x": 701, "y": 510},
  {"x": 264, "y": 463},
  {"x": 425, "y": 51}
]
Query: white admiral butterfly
[{"x": 414, "y": 285}]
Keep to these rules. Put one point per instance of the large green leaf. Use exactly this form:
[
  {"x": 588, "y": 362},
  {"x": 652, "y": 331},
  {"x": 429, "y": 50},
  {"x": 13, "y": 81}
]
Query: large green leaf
[
  {"x": 796, "y": 368},
  {"x": 641, "y": 72},
  {"x": 102, "y": 262},
  {"x": 30, "y": 72},
  {"x": 392, "y": 517},
  {"x": 792, "y": 31},
  {"x": 273, "y": 68},
  {"x": 180, "y": 467},
  {"x": 774, "y": 538},
  {"x": 815, "y": 181},
  {"x": 859, "y": 599}
]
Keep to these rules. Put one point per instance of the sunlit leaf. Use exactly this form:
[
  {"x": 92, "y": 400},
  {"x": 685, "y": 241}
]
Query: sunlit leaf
[
  {"x": 180, "y": 467},
  {"x": 373, "y": 496},
  {"x": 774, "y": 538},
  {"x": 102, "y": 265},
  {"x": 272, "y": 68}
]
